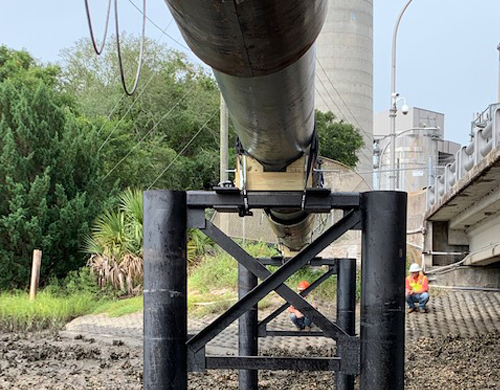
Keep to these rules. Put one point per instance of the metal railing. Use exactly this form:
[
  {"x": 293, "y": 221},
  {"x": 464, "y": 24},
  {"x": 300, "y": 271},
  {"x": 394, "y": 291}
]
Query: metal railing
[{"x": 485, "y": 138}]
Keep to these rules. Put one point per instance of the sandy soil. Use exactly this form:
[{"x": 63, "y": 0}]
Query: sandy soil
[{"x": 47, "y": 361}]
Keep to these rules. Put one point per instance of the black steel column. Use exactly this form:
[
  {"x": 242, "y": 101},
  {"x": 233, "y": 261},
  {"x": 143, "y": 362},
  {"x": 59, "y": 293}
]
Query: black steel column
[
  {"x": 382, "y": 290},
  {"x": 165, "y": 290},
  {"x": 248, "y": 330},
  {"x": 346, "y": 310}
]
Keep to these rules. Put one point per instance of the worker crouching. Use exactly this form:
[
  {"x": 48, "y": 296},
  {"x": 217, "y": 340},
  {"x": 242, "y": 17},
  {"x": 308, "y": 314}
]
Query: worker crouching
[
  {"x": 299, "y": 320},
  {"x": 417, "y": 290}
]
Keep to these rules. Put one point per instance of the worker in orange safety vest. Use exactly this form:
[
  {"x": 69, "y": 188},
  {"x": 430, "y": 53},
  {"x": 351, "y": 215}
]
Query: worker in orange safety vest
[
  {"x": 298, "y": 319},
  {"x": 417, "y": 289}
]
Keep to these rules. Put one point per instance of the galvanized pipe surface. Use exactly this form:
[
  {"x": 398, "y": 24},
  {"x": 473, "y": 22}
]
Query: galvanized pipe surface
[
  {"x": 165, "y": 290},
  {"x": 382, "y": 290}
]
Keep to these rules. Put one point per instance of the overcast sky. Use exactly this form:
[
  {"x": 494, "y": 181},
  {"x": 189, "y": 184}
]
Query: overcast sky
[{"x": 447, "y": 57}]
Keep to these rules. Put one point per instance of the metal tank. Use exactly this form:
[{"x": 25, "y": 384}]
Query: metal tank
[
  {"x": 345, "y": 52},
  {"x": 263, "y": 57}
]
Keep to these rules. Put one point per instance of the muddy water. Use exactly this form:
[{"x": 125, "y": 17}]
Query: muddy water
[{"x": 46, "y": 361}]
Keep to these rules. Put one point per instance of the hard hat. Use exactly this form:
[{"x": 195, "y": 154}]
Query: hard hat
[
  {"x": 303, "y": 285},
  {"x": 415, "y": 268}
]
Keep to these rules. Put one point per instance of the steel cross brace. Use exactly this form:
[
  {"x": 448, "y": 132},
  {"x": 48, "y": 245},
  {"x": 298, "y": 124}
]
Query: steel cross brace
[
  {"x": 274, "y": 281},
  {"x": 262, "y": 324}
]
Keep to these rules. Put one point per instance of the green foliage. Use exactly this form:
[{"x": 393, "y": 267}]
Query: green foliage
[
  {"x": 121, "y": 307},
  {"x": 174, "y": 100},
  {"x": 338, "y": 140},
  {"x": 199, "y": 245},
  {"x": 115, "y": 244},
  {"x": 50, "y": 182},
  {"x": 220, "y": 271},
  {"x": 218, "y": 275},
  {"x": 18, "y": 313}
]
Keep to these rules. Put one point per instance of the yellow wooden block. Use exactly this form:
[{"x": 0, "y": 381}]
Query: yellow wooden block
[{"x": 258, "y": 180}]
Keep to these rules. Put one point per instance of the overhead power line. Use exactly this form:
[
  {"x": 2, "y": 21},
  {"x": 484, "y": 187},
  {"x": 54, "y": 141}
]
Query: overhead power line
[
  {"x": 363, "y": 152},
  {"x": 133, "y": 103},
  {"x": 150, "y": 131},
  {"x": 141, "y": 50},
  {"x": 341, "y": 98},
  {"x": 158, "y": 27},
  {"x": 99, "y": 49}
]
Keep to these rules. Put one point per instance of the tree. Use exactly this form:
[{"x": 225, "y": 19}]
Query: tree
[
  {"x": 174, "y": 100},
  {"x": 50, "y": 185},
  {"x": 338, "y": 140}
]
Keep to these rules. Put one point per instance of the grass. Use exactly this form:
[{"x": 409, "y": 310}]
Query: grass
[
  {"x": 118, "y": 308},
  {"x": 220, "y": 273},
  {"x": 18, "y": 313},
  {"x": 212, "y": 287}
]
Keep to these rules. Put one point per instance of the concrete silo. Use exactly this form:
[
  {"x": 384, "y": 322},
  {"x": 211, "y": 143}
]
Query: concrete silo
[{"x": 344, "y": 83}]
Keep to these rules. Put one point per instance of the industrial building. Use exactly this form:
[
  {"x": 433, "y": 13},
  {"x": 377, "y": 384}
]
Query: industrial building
[{"x": 421, "y": 149}]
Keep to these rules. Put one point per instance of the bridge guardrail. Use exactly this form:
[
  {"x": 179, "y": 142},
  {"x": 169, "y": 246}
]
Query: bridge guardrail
[{"x": 484, "y": 141}]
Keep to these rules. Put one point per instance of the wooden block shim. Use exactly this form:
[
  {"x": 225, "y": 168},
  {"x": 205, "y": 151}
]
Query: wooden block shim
[
  {"x": 258, "y": 180},
  {"x": 35, "y": 273}
]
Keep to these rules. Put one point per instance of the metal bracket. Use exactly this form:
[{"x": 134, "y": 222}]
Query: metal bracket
[
  {"x": 196, "y": 360},
  {"x": 196, "y": 218}
]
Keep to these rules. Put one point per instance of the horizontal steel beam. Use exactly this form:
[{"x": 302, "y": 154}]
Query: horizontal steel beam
[
  {"x": 273, "y": 281},
  {"x": 317, "y": 262},
  {"x": 273, "y": 363},
  {"x": 316, "y": 202},
  {"x": 292, "y": 333}
]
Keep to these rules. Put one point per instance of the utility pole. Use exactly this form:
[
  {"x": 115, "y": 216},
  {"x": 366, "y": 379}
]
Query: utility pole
[{"x": 224, "y": 125}]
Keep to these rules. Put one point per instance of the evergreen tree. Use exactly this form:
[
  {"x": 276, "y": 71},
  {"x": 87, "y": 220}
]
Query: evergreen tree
[{"x": 49, "y": 175}]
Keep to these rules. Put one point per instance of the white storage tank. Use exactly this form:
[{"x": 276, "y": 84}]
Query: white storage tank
[{"x": 344, "y": 83}]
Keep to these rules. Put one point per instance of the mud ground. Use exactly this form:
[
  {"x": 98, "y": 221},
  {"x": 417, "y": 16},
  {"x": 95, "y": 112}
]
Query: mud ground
[{"x": 48, "y": 361}]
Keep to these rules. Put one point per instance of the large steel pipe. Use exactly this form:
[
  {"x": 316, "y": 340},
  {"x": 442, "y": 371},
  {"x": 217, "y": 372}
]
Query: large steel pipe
[
  {"x": 274, "y": 114},
  {"x": 263, "y": 57}
]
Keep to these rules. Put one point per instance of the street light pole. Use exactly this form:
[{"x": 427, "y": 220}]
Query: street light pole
[
  {"x": 380, "y": 153},
  {"x": 394, "y": 99}
]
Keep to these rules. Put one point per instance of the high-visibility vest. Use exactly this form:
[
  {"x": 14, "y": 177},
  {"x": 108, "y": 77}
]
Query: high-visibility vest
[{"x": 417, "y": 285}]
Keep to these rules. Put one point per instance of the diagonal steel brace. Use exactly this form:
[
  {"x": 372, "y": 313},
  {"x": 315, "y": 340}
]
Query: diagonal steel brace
[
  {"x": 277, "y": 312},
  {"x": 273, "y": 281}
]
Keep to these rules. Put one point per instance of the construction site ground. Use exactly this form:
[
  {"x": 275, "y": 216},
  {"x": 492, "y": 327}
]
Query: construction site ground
[{"x": 456, "y": 345}]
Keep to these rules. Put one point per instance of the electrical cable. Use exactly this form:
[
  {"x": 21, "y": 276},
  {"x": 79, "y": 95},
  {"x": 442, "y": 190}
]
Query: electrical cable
[
  {"x": 150, "y": 131},
  {"x": 159, "y": 28},
  {"x": 343, "y": 101},
  {"x": 92, "y": 37},
  {"x": 363, "y": 152},
  {"x": 183, "y": 149},
  {"x": 141, "y": 50},
  {"x": 133, "y": 103}
]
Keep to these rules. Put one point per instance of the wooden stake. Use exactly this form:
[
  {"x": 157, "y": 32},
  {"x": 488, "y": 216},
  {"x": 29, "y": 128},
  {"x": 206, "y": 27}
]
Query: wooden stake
[{"x": 35, "y": 273}]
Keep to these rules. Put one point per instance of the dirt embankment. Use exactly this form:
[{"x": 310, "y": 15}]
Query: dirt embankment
[{"x": 47, "y": 361}]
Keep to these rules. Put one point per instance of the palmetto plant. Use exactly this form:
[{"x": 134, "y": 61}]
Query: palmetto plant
[{"x": 115, "y": 244}]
